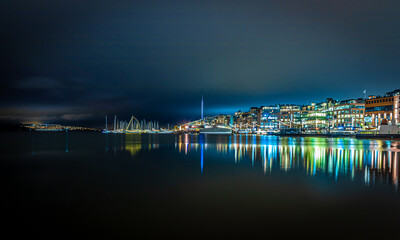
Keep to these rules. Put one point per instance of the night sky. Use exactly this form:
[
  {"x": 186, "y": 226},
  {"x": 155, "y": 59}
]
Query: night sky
[{"x": 75, "y": 61}]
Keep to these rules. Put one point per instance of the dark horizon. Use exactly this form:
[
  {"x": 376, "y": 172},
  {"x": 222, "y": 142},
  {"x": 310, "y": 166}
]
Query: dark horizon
[{"x": 74, "y": 62}]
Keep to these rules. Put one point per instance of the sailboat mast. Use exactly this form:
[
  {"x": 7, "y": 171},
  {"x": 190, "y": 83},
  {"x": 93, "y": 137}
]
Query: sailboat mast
[{"x": 106, "y": 123}]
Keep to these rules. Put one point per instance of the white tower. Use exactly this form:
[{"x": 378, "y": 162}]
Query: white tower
[{"x": 202, "y": 107}]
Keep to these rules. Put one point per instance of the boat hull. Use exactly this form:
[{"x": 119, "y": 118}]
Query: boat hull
[
  {"x": 219, "y": 131},
  {"x": 397, "y": 136}
]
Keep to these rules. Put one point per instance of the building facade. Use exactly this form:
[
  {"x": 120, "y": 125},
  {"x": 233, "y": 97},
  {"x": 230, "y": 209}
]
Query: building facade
[
  {"x": 318, "y": 116},
  {"x": 269, "y": 117},
  {"x": 349, "y": 115},
  {"x": 378, "y": 108},
  {"x": 289, "y": 116}
]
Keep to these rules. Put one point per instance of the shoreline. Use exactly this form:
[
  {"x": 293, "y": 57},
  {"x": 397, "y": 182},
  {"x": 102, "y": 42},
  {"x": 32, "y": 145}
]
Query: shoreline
[{"x": 322, "y": 135}]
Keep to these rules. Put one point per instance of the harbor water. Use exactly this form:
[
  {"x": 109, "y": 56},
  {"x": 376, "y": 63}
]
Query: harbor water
[{"x": 88, "y": 183}]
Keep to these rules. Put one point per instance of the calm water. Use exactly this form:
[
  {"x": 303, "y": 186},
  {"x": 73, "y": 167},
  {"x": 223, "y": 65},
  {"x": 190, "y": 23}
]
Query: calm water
[{"x": 92, "y": 183}]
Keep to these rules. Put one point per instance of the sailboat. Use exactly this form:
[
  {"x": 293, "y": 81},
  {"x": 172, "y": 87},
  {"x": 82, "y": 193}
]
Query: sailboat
[
  {"x": 116, "y": 126},
  {"x": 133, "y": 126},
  {"x": 106, "y": 129}
]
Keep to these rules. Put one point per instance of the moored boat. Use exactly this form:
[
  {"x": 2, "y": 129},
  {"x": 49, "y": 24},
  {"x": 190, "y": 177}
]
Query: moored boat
[
  {"x": 384, "y": 131},
  {"x": 215, "y": 130}
]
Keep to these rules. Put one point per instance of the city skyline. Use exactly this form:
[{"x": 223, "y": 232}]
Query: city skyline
[{"x": 234, "y": 111}]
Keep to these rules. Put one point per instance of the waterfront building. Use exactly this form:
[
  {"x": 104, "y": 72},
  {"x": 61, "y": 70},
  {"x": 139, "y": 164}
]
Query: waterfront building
[
  {"x": 315, "y": 119},
  {"x": 269, "y": 117},
  {"x": 256, "y": 114},
  {"x": 250, "y": 120},
  {"x": 240, "y": 120},
  {"x": 289, "y": 116},
  {"x": 349, "y": 114},
  {"x": 324, "y": 116},
  {"x": 209, "y": 120},
  {"x": 221, "y": 119},
  {"x": 318, "y": 116},
  {"x": 378, "y": 108}
]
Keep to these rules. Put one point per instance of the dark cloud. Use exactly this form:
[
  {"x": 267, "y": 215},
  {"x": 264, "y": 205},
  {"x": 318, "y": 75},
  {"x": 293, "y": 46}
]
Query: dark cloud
[{"x": 155, "y": 58}]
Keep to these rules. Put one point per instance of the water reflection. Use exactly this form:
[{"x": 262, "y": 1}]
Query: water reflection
[
  {"x": 133, "y": 143},
  {"x": 370, "y": 160},
  {"x": 66, "y": 141}
]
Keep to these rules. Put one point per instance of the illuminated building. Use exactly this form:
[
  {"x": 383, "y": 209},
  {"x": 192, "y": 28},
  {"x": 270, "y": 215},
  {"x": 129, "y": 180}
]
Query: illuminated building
[
  {"x": 315, "y": 119},
  {"x": 349, "y": 114},
  {"x": 221, "y": 119},
  {"x": 256, "y": 113},
  {"x": 269, "y": 117},
  {"x": 289, "y": 115},
  {"x": 324, "y": 116},
  {"x": 239, "y": 120},
  {"x": 378, "y": 108},
  {"x": 318, "y": 116},
  {"x": 246, "y": 120}
]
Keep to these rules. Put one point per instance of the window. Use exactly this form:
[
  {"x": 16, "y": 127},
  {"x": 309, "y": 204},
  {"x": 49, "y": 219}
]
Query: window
[{"x": 380, "y": 108}]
